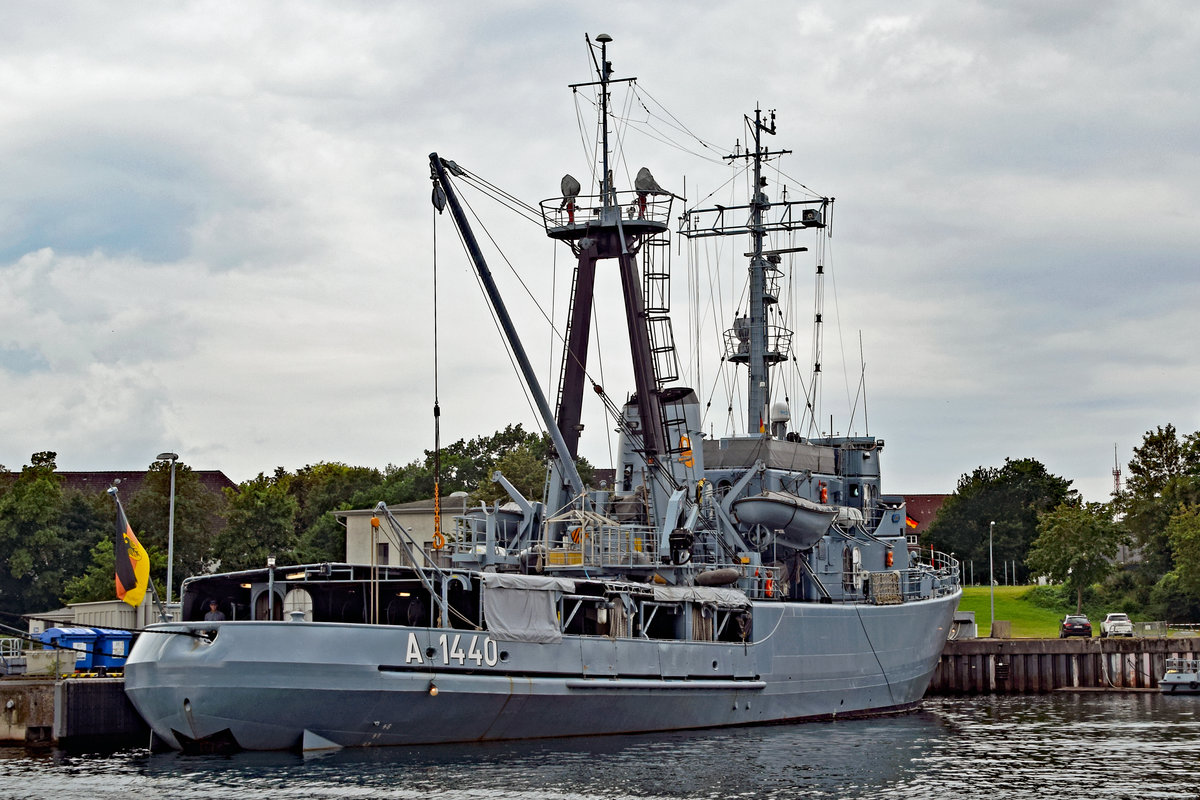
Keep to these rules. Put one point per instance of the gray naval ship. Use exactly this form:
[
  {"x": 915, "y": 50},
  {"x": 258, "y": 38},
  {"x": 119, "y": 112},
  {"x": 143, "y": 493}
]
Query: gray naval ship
[{"x": 760, "y": 578}]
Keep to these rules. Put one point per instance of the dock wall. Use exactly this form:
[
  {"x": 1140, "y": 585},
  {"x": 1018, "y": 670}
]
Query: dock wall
[
  {"x": 28, "y": 707},
  {"x": 68, "y": 712},
  {"x": 94, "y": 709},
  {"x": 1032, "y": 666}
]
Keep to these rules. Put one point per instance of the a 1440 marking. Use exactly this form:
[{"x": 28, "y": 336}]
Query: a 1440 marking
[{"x": 461, "y": 650}]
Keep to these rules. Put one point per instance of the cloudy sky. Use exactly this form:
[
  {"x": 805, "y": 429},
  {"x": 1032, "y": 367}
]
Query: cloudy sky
[{"x": 216, "y": 235}]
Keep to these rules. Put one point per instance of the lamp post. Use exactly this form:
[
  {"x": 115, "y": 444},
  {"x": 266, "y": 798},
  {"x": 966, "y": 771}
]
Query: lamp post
[
  {"x": 991, "y": 577},
  {"x": 271, "y": 587},
  {"x": 464, "y": 496},
  {"x": 172, "y": 457}
]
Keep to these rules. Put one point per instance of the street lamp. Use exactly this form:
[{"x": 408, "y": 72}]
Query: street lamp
[
  {"x": 464, "y": 496},
  {"x": 271, "y": 587},
  {"x": 172, "y": 457},
  {"x": 991, "y": 578}
]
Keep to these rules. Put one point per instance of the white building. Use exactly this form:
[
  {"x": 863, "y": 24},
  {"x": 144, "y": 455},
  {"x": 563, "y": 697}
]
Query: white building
[{"x": 363, "y": 539}]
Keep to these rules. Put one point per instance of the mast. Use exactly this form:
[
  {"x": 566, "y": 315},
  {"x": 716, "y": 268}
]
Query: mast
[
  {"x": 758, "y": 392},
  {"x": 604, "y": 69},
  {"x": 613, "y": 226},
  {"x": 753, "y": 341}
]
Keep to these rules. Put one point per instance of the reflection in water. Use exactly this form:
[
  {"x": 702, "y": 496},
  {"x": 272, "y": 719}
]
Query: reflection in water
[{"x": 1072, "y": 745}]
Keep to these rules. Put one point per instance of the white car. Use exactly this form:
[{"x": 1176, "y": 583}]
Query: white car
[{"x": 1116, "y": 625}]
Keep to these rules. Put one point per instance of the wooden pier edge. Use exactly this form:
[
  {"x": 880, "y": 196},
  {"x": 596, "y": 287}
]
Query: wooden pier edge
[{"x": 1033, "y": 666}]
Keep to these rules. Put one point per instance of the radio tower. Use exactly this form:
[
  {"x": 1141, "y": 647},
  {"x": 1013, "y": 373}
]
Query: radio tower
[{"x": 1116, "y": 473}]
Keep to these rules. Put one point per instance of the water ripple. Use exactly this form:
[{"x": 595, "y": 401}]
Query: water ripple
[{"x": 1050, "y": 747}]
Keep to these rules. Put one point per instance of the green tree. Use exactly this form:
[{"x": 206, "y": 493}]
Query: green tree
[
  {"x": 98, "y": 580},
  {"x": 524, "y": 467},
  {"x": 45, "y": 537},
  {"x": 1183, "y": 532},
  {"x": 199, "y": 516},
  {"x": 1012, "y": 496},
  {"x": 320, "y": 489},
  {"x": 261, "y": 522},
  {"x": 467, "y": 465},
  {"x": 1161, "y": 457},
  {"x": 1147, "y": 518},
  {"x": 1076, "y": 545},
  {"x": 1164, "y": 475},
  {"x": 325, "y": 540},
  {"x": 324, "y": 487}
]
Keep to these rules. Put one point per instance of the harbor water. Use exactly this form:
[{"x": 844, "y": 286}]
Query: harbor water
[{"x": 1063, "y": 745}]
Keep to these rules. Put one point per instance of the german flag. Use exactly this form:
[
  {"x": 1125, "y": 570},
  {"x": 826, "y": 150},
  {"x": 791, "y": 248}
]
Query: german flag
[
  {"x": 910, "y": 522},
  {"x": 133, "y": 564}
]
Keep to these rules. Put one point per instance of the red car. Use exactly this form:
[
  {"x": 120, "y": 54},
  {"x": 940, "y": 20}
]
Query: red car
[{"x": 1075, "y": 625}]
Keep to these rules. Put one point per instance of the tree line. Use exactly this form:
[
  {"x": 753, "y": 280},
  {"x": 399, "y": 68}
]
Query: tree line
[
  {"x": 56, "y": 543},
  {"x": 1045, "y": 528}
]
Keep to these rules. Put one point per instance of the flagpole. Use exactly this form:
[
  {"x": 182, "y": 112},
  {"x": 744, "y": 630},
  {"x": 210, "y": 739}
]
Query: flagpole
[
  {"x": 131, "y": 568},
  {"x": 162, "y": 610}
]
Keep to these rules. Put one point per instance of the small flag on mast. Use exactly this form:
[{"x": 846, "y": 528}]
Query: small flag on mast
[
  {"x": 133, "y": 564},
  {"x": 908, "y": 520}
]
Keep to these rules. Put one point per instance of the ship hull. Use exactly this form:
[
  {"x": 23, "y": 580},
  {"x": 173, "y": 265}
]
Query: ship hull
[{"x": 290, "y": 685}]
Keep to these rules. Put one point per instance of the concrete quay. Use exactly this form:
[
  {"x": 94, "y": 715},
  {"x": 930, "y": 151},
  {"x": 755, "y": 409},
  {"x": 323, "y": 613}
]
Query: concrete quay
[
  {"x": 68, "y": 712},
  {"x": 1032, "y": 666}
]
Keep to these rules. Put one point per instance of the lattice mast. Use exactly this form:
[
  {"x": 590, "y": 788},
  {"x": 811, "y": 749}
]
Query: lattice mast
[
  {"x": 1116, "y": 473},
  {"x": 753, "y": 340}
]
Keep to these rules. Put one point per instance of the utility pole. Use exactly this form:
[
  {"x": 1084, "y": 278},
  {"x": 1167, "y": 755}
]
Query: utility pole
[{"x": 991, "y": 577}]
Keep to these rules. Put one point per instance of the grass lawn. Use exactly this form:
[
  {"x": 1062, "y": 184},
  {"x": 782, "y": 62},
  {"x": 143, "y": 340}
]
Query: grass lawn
[{"x": 1028, "y": 620}]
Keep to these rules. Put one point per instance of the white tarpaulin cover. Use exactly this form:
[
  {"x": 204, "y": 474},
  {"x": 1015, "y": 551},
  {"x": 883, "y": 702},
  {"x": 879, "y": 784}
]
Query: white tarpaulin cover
[
  {"x": 523, "y": 608},
  {"x": 727, "y": 598}
]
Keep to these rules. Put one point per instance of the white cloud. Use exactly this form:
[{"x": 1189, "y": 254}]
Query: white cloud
[{"x": 215, "y": 234}]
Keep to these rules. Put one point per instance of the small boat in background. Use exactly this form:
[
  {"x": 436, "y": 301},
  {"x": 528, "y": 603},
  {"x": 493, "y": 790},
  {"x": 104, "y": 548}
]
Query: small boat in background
[{"x": 1182, "y": 676}]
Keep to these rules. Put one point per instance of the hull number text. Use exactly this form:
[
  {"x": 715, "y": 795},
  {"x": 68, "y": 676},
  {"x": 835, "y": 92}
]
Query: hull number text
[{"x": 459, "y": 649}]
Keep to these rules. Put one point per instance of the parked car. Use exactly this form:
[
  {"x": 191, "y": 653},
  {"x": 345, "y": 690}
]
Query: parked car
[
  {"x": 1075, "y": 625},
  {"x": 1116, "y": 625}
]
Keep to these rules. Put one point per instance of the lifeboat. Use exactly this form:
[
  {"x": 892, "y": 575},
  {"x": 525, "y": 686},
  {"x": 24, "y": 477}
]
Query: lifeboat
[{"x": 801, "y": 521}]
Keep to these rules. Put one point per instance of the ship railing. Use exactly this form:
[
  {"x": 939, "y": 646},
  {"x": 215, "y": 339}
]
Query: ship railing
[
  {"x": 763, "y": 581},
  {"x": 737, "y": 343},
  {"x": 1181, "y": 664},
  {"x": 563, "y": 215},
  {"x": 894, "y": 586},
  {"x": 601, "y": 545},
  {"x": 940, "y": 571},
  {"x": 464, "y": 542}
]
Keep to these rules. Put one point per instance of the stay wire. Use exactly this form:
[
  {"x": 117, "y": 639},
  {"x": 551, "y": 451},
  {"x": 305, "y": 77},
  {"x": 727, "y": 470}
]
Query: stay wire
[
  {"x": 437, "y": 406},
  {"x": 501, "y": 196},
  {"x": 529, "y": 293},
  {"x": 56, "y": 622},
  {"x": 499, "y": 329}
]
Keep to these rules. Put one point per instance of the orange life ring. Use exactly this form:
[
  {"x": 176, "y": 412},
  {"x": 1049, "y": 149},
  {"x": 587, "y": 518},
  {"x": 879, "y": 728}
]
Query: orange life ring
[{"x": 685, "y": 445}]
